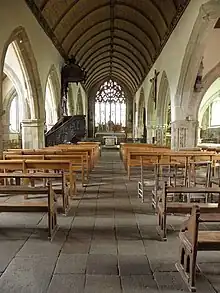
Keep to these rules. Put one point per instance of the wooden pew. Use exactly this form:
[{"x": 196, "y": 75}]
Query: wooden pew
[
  {"x": 165, "y": 207},
  {"x": 64, "y": 191},
  {"x": 46, "y": 165},
  {"x": 79, "y": 161},
  {"x": 53, "y": 165},
  {"x": 133, "y": 158},
  {"x": 93, "y": 152},
  {"x": 193, "y": 240},
  {"x": 124, "y": 150},
  {"x": 148, "y": 161},
  {"x": 55, "y": 151},
  {"x": 49, "y": 207}
]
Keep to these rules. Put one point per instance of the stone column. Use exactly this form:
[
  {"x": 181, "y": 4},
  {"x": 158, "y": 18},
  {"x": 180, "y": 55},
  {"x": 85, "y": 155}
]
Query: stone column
[
  {"x": 184, "y": 133},
  {"x": 32, "y": 134},
  {"x": 151, "y": 132},
  {"x": 6, "y": 131}
]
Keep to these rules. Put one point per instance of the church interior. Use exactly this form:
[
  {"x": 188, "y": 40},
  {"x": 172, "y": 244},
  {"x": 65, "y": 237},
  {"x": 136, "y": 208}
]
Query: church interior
[{"x": 110, "y": 146}]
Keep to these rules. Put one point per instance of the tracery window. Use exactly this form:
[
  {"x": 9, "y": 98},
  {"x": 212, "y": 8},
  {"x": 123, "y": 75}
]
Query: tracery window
[{"x": 110, "y": 106}]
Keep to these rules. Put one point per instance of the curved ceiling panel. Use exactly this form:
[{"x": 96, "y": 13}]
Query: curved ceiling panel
[
  {"x": 92, "y": 43},
  {"x": 97, "y": 49},
  {"x": 110, "y": 38},
  {"x": 75, "y": 32},
  {"x": 91, "y": 33}
]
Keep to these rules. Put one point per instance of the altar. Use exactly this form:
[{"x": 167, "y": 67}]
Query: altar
[{"x": 111, "y": 138}]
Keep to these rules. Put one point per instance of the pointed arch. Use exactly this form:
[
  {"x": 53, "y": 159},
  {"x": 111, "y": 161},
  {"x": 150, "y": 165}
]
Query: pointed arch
[
  {"x": 163, "y": 100},
  {"x": 52, "y": 90},
  {"x": 53, "y": 75},
  {"x": 71, "y": 100},
  {"x": 29, "y": 67},
  {"x": 207, "y": 81},
  {"x": 207, "y": 17},
  {"x": 79, "y": 103},
  {"x": 151, "y": 112},
  {"x": 141, "y": 106}
]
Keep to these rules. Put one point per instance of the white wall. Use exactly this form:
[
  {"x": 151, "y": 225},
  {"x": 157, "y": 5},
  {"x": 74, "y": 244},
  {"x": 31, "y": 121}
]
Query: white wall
[
  {"x": 171, "y": 58},
  {"x": 16, "y": 13},
  {"x": 208, "y": 98},
  {"x": 211, "y": 53}
]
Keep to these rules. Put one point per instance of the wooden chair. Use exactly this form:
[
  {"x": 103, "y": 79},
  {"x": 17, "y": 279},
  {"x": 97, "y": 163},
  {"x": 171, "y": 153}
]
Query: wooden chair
[
  {"x": 164, "y": 207},
  {"x": 193, "y": 240},
  {"x": 149, "y": 165},
  {"x": 199, "y": 174}
]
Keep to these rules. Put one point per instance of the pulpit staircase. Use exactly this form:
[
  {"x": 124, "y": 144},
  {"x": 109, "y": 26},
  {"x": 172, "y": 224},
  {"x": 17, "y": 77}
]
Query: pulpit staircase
[{"x": 65, "y": 129}]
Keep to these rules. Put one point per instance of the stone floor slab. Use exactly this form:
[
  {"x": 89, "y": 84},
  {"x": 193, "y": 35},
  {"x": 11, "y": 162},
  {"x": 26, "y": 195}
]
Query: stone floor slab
[
  {"x": 8, "y": 250},
  {"x": 105, "y": 284},
  {"x": 139, "y": 284},
  {"x": 71, "y": 264},
  {"x": 67, "y": 284},
  {"x": 102, "y": 264},
  {"x": 131, "y": 247},
  {"x": 76, "y": 246},
  {"x": 27, "y": 275},
  {"x": 134, "y": 265}
]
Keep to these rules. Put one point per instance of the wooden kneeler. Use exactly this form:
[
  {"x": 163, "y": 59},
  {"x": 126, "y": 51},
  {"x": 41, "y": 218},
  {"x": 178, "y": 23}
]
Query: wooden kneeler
[{"x": 193, "y": 240}]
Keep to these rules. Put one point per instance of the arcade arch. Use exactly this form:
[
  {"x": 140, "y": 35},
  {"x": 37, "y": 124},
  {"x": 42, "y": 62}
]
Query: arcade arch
[
  {"x": 24, "y": 78},
  {"x": 163, "y": 112},
  {"x": 51, "y": 98},
  {"x": 79, "y": 103},
  {"x": 141, "y": 115}
]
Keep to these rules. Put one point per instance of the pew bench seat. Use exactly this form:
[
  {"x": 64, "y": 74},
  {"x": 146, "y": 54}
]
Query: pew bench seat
[
  {"x": 19, "y": 189},
  {"x": 49, "y": 206},
  {"x": 63, "y": 190},
  {"x": 185, "y": 207}
]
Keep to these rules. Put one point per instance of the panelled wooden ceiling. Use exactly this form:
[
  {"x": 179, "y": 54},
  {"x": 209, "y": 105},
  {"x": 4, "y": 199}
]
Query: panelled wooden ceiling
[{"x": 118, "y": 39}]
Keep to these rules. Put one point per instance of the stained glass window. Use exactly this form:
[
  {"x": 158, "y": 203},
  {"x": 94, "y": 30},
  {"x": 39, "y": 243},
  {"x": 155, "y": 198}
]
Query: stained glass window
[{"x": 110, "y": 106}]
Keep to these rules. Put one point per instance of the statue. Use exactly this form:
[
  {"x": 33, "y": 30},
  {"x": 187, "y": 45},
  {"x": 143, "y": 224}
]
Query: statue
[{"x": 110, "y": 125}]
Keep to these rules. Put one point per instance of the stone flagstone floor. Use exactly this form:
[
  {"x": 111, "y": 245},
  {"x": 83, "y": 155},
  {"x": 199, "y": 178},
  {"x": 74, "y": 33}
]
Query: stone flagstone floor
[{"x": 107, "y": 244}]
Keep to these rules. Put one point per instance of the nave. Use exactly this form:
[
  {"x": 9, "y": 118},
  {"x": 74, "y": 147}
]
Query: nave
[{"x": 107, "y": 243}]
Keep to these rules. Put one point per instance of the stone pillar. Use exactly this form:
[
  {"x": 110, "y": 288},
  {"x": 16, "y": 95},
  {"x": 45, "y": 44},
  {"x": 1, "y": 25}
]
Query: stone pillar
[
  {"x": 32, "y": 134},
  {"x": 129, "y": 115},
  {"x": 184, "y": 134},
  {"x": 6, "y": 131},
  {"x": 151, "y": 132}
]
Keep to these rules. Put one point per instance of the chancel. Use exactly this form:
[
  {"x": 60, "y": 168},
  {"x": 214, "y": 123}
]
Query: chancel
[{"x": 110, "y": 146}]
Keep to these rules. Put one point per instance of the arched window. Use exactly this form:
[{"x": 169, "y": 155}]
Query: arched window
[
  {"x": 50, "y": 108},
  {"x": 110, "y": 105},
  {"x": 215, "y": 110},
  {"x": 14, "y": 115}
]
